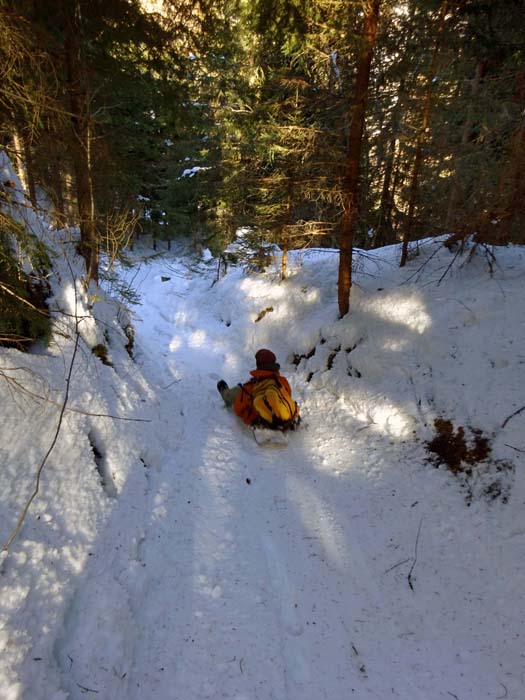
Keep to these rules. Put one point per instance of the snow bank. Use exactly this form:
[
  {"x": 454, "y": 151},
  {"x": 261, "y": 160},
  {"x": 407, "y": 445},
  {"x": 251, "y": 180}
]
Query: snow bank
[{"x": 86, "y": 472}]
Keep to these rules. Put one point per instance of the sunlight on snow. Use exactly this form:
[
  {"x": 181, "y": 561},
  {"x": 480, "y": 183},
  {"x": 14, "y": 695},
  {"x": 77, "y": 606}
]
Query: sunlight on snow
[
  {"x": 181, "y": 318},
  {"x": 161, "y": 505},
  {"x": 69, "y": 296},
  {"x": 391, "y": 420},
  {"x": 74, "y": 555},
  {"x": 386, "y": 417},
  {"x": 311, "y": 295},
  {"x": 408, "y": 311},
  {"x": 232, "y": 362},
  {"x": 373, "y": 410},
  {"x": 197, "y": 338},
  {"x": 395, "y": 345},
  {"x": 175, "y": 343},
  {"x": 262, "y": 288}
]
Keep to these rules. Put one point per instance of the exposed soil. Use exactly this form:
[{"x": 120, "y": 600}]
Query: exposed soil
[
  {"x": 452, "y": 448},
  {"x": 466, "y": 453}
]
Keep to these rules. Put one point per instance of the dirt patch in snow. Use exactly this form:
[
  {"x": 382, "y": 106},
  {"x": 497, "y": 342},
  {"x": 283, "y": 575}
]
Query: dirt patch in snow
[{"x": 466, "y": 452}]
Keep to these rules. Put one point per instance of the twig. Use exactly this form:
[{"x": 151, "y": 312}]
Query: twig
[
  {"x": 512, "y": 416},
  {"x": 399, "y": 563},
  {"x": 87, "y": 690},
  {"x": 500, "y": 697},
  {"x": 449, "y": 266},
  {"x": 105, "y": 415},
  {"x": 175, "y": 381},
  {"x": 512, "y": 447},
  {"x": 32, "y": 394},
  {"x": 416, "y": 273},
  {"x": 458, "y": 301},
  {"x": 409, "y": 577},
  {"x": 491, "y": 258}
]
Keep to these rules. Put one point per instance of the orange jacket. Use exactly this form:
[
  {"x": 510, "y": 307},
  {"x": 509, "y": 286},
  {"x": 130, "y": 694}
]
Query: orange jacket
[{"x": 243, "y": 403}]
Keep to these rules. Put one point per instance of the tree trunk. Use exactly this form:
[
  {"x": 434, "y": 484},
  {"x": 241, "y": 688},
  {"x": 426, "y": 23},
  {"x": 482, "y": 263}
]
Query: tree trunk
[
  {"x": 18, "y": 159},
  {"x": 383, "y": 225},
  {"x": 284, "y": 261},
  {"x": 82, "y": 138},
  {"x": 510, "y": 200},
  {"x": 30, "y": 168},
  {"x": 384, "y": 219},
  {"x": 456, "y": 191},
  {"x": 421, "y": 137},
  {"x": 56, "y": 173},
  {"x": 371, "y": 21},
  {"x": 516, "y": 204}
]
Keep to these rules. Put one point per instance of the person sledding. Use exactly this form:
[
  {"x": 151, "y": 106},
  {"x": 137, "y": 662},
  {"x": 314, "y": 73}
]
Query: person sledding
[{"x": 265, "y": 401}]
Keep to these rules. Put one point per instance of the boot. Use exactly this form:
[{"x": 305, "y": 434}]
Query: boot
[{"x": 221, "y": 386}]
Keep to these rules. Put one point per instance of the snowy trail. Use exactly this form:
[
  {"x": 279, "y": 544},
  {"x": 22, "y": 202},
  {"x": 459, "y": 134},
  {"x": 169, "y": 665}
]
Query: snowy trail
[
  {"x": 261, "y": 573},
  {"x": 257, "y": 573}
]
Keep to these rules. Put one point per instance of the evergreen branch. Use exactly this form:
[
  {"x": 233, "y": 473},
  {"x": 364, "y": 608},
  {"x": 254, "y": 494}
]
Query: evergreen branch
[{"x": 8, "y": 290}]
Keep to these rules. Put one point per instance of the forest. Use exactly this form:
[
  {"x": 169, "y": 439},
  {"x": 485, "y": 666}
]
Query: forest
[
  {"x": 324, "y": 123},
  {"x": 340, "y": 185}
]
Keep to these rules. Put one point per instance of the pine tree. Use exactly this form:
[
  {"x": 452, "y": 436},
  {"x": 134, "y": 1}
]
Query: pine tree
[
  {"x": 357, "y": 124},
  {"x": 123, "y": 77}
]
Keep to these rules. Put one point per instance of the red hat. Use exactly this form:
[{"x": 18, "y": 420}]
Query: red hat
[{"x": 265, "y": 359}]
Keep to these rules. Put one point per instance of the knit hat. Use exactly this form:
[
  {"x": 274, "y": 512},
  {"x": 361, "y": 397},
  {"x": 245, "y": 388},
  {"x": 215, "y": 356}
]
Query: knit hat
[{"x": 265, "y": 359}]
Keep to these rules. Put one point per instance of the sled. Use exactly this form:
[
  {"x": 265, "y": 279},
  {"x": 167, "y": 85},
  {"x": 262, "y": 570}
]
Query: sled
[{"x": 270, "y": 438}]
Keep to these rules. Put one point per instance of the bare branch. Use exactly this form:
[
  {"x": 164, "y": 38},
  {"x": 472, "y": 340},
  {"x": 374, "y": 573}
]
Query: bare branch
[
  {"x": 24, "y": 390},
  {"x": 520, "y": 410},
  {"x": 409, "y": 577}
]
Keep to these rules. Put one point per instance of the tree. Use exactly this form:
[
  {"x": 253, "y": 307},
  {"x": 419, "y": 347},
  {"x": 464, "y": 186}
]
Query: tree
[
  {"x": 26, "y": 91},
  {"x": 357, "y": 124},
  {"x": 487, "y": 113},
  {"x": 122, "y": 74},
  {"x": 422, "y": 133}
]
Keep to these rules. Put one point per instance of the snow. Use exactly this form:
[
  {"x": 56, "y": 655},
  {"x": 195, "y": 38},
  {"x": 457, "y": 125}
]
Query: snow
[
  {"x": 190, "y": 172},
  {"x": 177, "y": 559}
]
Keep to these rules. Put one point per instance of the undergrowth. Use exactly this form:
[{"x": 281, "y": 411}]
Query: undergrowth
[{"x": 24, "y": 316}]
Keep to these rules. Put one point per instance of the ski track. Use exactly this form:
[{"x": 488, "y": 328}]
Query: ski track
[{"x": 245, "y": 572}]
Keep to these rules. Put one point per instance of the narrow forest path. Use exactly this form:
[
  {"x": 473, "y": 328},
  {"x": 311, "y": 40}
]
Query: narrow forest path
[
  {"x": 257, "y": 573},
  {"x": 259, "y": 587}
]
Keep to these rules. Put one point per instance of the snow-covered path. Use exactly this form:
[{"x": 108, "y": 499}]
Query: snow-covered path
[
  {"x": 256, "y": 585},
  {"x": 265, "y": 573}
]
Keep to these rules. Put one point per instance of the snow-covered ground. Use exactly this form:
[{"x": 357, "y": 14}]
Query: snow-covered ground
[{"x": 170, "y": 557}]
